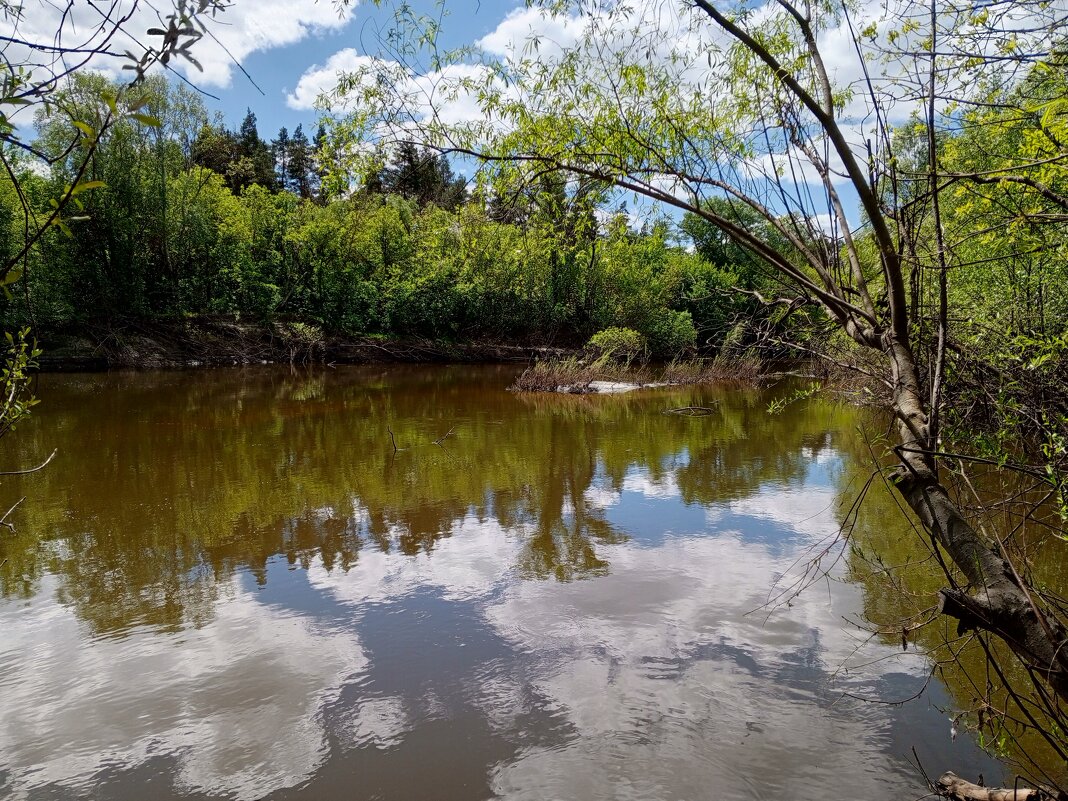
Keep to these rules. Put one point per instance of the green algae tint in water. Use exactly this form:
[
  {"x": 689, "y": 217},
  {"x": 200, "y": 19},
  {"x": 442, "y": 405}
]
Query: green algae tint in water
[{"x": 229, "y": 585}]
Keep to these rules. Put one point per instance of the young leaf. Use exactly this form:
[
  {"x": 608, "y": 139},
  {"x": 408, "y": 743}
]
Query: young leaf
[
  {"x": 85, "y": 186},
  {"x": 147, "y": 119}
]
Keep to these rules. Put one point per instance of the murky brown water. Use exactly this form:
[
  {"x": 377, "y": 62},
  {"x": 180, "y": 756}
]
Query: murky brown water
[{"x": 228, "y": 585}]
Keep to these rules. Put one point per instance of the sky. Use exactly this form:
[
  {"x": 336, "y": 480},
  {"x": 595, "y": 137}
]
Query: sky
[
  {"x": 292, "y": 50},
  {"x": 277, "y": 42},
  {"x": 308, "y": 39}
]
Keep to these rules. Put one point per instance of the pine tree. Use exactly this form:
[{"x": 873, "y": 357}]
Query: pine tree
[
  {"x": 300, "y": 164},
  {"x": 256, "y": 151},
  {"x": 423, "y": 176},
  {"x": 280, "y": 146},
  {"x": 319, "y": 190}
]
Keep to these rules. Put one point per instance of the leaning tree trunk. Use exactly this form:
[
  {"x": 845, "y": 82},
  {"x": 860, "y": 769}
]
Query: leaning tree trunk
[{"x": 996, "y": 599}]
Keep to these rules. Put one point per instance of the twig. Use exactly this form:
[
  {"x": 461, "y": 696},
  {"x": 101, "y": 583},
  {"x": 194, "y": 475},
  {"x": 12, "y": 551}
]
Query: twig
[
  {"x": 691, "y": 411},
  {"x": 3, "y": 520},
  {"x": 392, "y": 439},
  {"x": 440, "y": 440},
  {"x": 41, "y": 466}
]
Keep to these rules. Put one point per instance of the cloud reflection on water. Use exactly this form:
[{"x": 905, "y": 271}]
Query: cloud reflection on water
[
  {"x": 235, "y": 702},
  {"x": 585, "y": 629}
]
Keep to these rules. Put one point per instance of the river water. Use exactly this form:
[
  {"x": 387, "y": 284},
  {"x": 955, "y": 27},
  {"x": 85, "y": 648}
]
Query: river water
[{"x": 229, "y": 585}]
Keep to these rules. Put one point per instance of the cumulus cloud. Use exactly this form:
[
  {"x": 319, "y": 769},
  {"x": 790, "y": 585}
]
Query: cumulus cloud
[
  {"x": 320, "y": 79},
  {"x": 445, "y": 95},
  {"x": 245, "y": 28},
  {"x": 515, "y": 34},
  {"x": 665, "y": 670},
  {"x": 466, "y": 565}
]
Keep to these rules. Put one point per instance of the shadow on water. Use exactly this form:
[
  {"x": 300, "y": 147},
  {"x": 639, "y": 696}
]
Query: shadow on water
[{"x": 229, "y": 584}]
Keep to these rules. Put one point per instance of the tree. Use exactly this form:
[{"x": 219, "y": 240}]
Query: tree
[
  {"x": 280, "y": 150},
  {"x": 707, "y": 108},
  {"x": 256, "y": 151},
  {"x": 423, "y": 176},
  {"x": 38, "y": 67},
  {"x": 300, "y": 164},
  {"x": 319, "y": 182}
]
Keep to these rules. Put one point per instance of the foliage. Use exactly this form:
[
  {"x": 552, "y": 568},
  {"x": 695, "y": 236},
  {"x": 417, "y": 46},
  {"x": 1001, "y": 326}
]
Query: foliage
[
  {"x": 184, "y": 222},
  {"x": 952, "y": 282},
  {"x": 16, "y": 378},
  {"x": 623, "y": 344}
]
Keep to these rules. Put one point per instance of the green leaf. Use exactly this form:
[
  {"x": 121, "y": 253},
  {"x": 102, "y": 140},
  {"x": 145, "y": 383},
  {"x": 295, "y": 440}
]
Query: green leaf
[
  {"x": 12, "y": 276},
  {"x": 85, "y": 186},
  {"x": 85, "y": 129},
  {"x": 147, "y": 119}
]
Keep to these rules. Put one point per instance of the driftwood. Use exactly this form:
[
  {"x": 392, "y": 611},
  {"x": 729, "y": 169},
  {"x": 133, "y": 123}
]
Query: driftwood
[{"x": 950, "y": 785}]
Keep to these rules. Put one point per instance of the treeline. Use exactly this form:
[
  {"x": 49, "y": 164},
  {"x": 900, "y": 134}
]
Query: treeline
[{"x": 190, "y": 218}]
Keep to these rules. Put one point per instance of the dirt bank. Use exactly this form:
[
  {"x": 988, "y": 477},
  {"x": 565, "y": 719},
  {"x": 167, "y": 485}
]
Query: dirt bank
[{"x": 213, "y": 341}]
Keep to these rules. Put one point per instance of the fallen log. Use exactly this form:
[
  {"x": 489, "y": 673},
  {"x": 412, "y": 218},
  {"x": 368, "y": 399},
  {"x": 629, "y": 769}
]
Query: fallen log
[{"x": 950, "y": 785}]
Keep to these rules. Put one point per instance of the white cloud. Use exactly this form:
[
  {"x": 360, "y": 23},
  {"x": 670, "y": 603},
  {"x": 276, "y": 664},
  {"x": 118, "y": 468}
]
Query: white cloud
[
  {"x": 515, "y": 34},
  {"x": 643, "y": 482},
  {"x": 247, "y": 27},
  {"x": 320, "y": 79},
  {"x": 666, "y": 670},
  {"x": 466, "y": 565}
]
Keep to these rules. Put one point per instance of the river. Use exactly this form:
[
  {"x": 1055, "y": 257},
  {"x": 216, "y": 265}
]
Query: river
[{"x": 229, "y": 584}]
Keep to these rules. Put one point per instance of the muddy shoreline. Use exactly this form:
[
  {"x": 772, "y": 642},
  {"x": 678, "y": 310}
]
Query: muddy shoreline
[{"x": 218, "y": 341}]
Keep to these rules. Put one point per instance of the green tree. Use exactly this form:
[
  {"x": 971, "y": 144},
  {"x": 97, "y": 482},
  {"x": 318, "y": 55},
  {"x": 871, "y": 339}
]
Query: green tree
[
  {"x": 300, "y": 164},
  {"x": 256, "y": 151},
  {"x": 423, "y": 176},
  {"x": 280, "y": 151}
]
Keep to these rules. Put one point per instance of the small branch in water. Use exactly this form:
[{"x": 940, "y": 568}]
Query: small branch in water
[
  {"x": 41, "y": 466},
  {"x": 448, "y": 434},
  {"x": 392, "y": 439},
  {"x": 3, "y": 520},
  {"x": 691, "y": 411}
]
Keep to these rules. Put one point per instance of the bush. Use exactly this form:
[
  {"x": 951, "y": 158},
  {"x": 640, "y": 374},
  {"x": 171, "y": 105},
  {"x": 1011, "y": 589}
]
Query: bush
[
  {"x": 671, "y": 333},
  {"x": 621, "y": 344}
]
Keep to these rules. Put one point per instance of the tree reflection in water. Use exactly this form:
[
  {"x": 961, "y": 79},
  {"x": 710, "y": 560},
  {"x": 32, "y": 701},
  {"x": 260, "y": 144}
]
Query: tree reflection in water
[{"x": 231, "y": 582}]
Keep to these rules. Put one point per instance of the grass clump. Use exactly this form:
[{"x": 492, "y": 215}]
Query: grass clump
[
  {"x": 745, "y": 368},
  {"x": 575, "y": 375},
  {"x": 554, "y": 375}
]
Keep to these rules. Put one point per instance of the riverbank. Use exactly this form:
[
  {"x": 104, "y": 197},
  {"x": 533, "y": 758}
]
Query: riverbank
[{"x": 225, "y": 341}]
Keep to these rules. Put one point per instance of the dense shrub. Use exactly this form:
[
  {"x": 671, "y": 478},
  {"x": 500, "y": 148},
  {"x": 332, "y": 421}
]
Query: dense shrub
[
  {"x": 622, "y": 344},
  {"x": 175, "y": 231},
  {"x": 670, "y": 332}
]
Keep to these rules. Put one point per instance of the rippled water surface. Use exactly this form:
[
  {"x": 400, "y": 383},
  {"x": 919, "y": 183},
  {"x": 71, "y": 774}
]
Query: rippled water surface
[{"x": 229, "y": 585}]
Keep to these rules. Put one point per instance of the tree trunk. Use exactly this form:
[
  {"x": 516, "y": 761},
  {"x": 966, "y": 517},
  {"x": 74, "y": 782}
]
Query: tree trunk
[{"x": 998, "y": 601}]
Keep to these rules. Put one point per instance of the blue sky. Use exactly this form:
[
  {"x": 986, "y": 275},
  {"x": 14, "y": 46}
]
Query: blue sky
[
  {"x": 293, "y": 48},
  {"x": 278, "y": 69}
]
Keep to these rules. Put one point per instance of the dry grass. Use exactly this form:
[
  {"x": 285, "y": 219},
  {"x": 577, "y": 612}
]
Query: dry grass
[
  {"x": 745, "y": 369},
  {"x": 575, "y": 375},
  {"x": 553, "y": 375}
]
